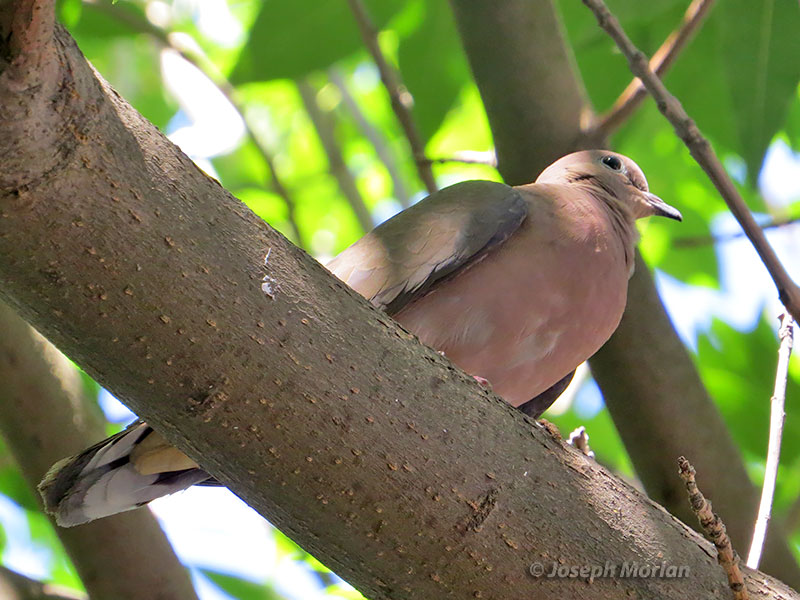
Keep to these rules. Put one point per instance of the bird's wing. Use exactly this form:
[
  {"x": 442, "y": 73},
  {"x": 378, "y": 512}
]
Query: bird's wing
[{"x": 402, "y": 258}]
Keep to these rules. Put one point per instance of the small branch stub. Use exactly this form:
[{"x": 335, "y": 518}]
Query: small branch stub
[{"x": 714, "y": 530}]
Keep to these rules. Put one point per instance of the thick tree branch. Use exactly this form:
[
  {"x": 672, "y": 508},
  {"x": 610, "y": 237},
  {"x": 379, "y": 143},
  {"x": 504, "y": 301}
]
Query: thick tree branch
[
  {"x": 663, "y": 58},
  {"x": 45, "y": 416},
  {"x": 398, "y": 94},
  {"x": 372, "y": 451},
  {"x": 526, "y": 77},
  {"x": 336, "y": 163},
  {"x": 701, "y": 150}
]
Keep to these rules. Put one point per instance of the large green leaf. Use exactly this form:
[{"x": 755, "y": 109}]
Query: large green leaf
[
  {"x": 11, "y": 482},
  {"x": 433, "y": 66},
  {"x": 792, "y": 127},
  {"x": 101, "y": 20},
  {"x": 603, "y": 69},
  {"x": 759, "y": 43},
  {"x": 291, "y": 39},
  {"x": 241, "y": 589},
  {"x": 739, "y": 372}
]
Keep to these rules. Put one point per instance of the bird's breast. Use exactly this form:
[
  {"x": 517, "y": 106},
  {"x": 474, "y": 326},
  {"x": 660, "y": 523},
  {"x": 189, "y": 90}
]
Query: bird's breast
[{"x": 528, "y": 313}]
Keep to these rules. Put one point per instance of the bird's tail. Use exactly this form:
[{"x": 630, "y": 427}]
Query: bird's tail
[{"x": 120, "y": 473}]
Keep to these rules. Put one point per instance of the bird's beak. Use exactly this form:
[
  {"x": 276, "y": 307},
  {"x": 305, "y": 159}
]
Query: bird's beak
[{"x": 661, "y": 208}]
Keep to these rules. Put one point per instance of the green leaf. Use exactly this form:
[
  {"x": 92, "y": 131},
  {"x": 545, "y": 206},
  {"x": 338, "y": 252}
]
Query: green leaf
[
  {"x": 792, "y": 127},
  {"x": 739, "y": 372},
  {"x": 433, "y": 66},
  {"x": 241, "y": 589},
  {"x": 604, "y": 70},
  {"x": 69, "y": 11},
  {"x": 674, "y": 176},
  {"x": 755, "y": 40},
  {"x": 759, "y": 42},
  {"x": 100, "y": 21},
  {"x": 291, "y": 39},
  {"x": 12, "y": 484}
]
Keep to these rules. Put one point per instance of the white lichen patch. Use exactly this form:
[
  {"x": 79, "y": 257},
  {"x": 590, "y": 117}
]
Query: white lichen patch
[{"x": 268, "y": 284}]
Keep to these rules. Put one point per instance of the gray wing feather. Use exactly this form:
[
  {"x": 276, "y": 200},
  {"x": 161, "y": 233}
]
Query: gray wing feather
[{"x": 401, "y": 259}]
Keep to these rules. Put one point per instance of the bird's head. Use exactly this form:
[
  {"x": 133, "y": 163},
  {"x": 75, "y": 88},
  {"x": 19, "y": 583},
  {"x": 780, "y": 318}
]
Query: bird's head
[{"x": 615, "y": 178}]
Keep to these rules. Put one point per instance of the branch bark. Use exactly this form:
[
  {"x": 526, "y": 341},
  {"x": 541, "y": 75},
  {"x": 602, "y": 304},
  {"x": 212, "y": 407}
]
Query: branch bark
[
  {"x": 45, "y": 416},
  {"x": 526, "y": 78},
  {"x": 196, "y": 58}
]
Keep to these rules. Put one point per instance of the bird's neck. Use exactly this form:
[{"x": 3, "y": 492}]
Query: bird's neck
[
  {"x": 625, "y": 227},
  {"x": 623, "y": 223}
]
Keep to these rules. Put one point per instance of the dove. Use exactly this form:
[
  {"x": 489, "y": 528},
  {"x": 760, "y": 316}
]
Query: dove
[{"x": 515, "y": 285}]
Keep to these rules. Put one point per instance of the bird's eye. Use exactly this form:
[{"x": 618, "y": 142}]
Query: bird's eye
[{"x": 612, "y": 162}]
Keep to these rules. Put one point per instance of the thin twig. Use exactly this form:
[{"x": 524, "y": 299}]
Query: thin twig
[
  {"x": 701, "y": 150},
  {"x": 375, "y": 137},
  {"x": 208, "y": 69},
  {"x": 663, "y": 58},
  {"x": 336, "y": 163},
  {"x": 776, "y": 417},
  {"x": 703, "y": 240},
  {"x": 468, "y": 157},
  {"x": 714, "y": 530},
  {"x": 398, "y": 94}
]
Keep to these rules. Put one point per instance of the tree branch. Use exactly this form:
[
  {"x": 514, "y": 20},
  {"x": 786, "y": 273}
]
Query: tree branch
[
  {"x": 375, "y": 137},
  {"x": 369, "y": 449},
  {"x": 714, "y": 529},
  {"x": 777, "y": 402},
  {"x": 701, "y": 150},
  {"x": 27, "y": 31},
  {"x": 468, "y": 157},
  {"x": 327, "y": 137},
  {"x": 527, "y": 82},
  {"x": 45, "y": 416},
  {"x": 702, "y": 240},
  {"x": 398, "y": 94},
  {"x": 663, "y": 58}
]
